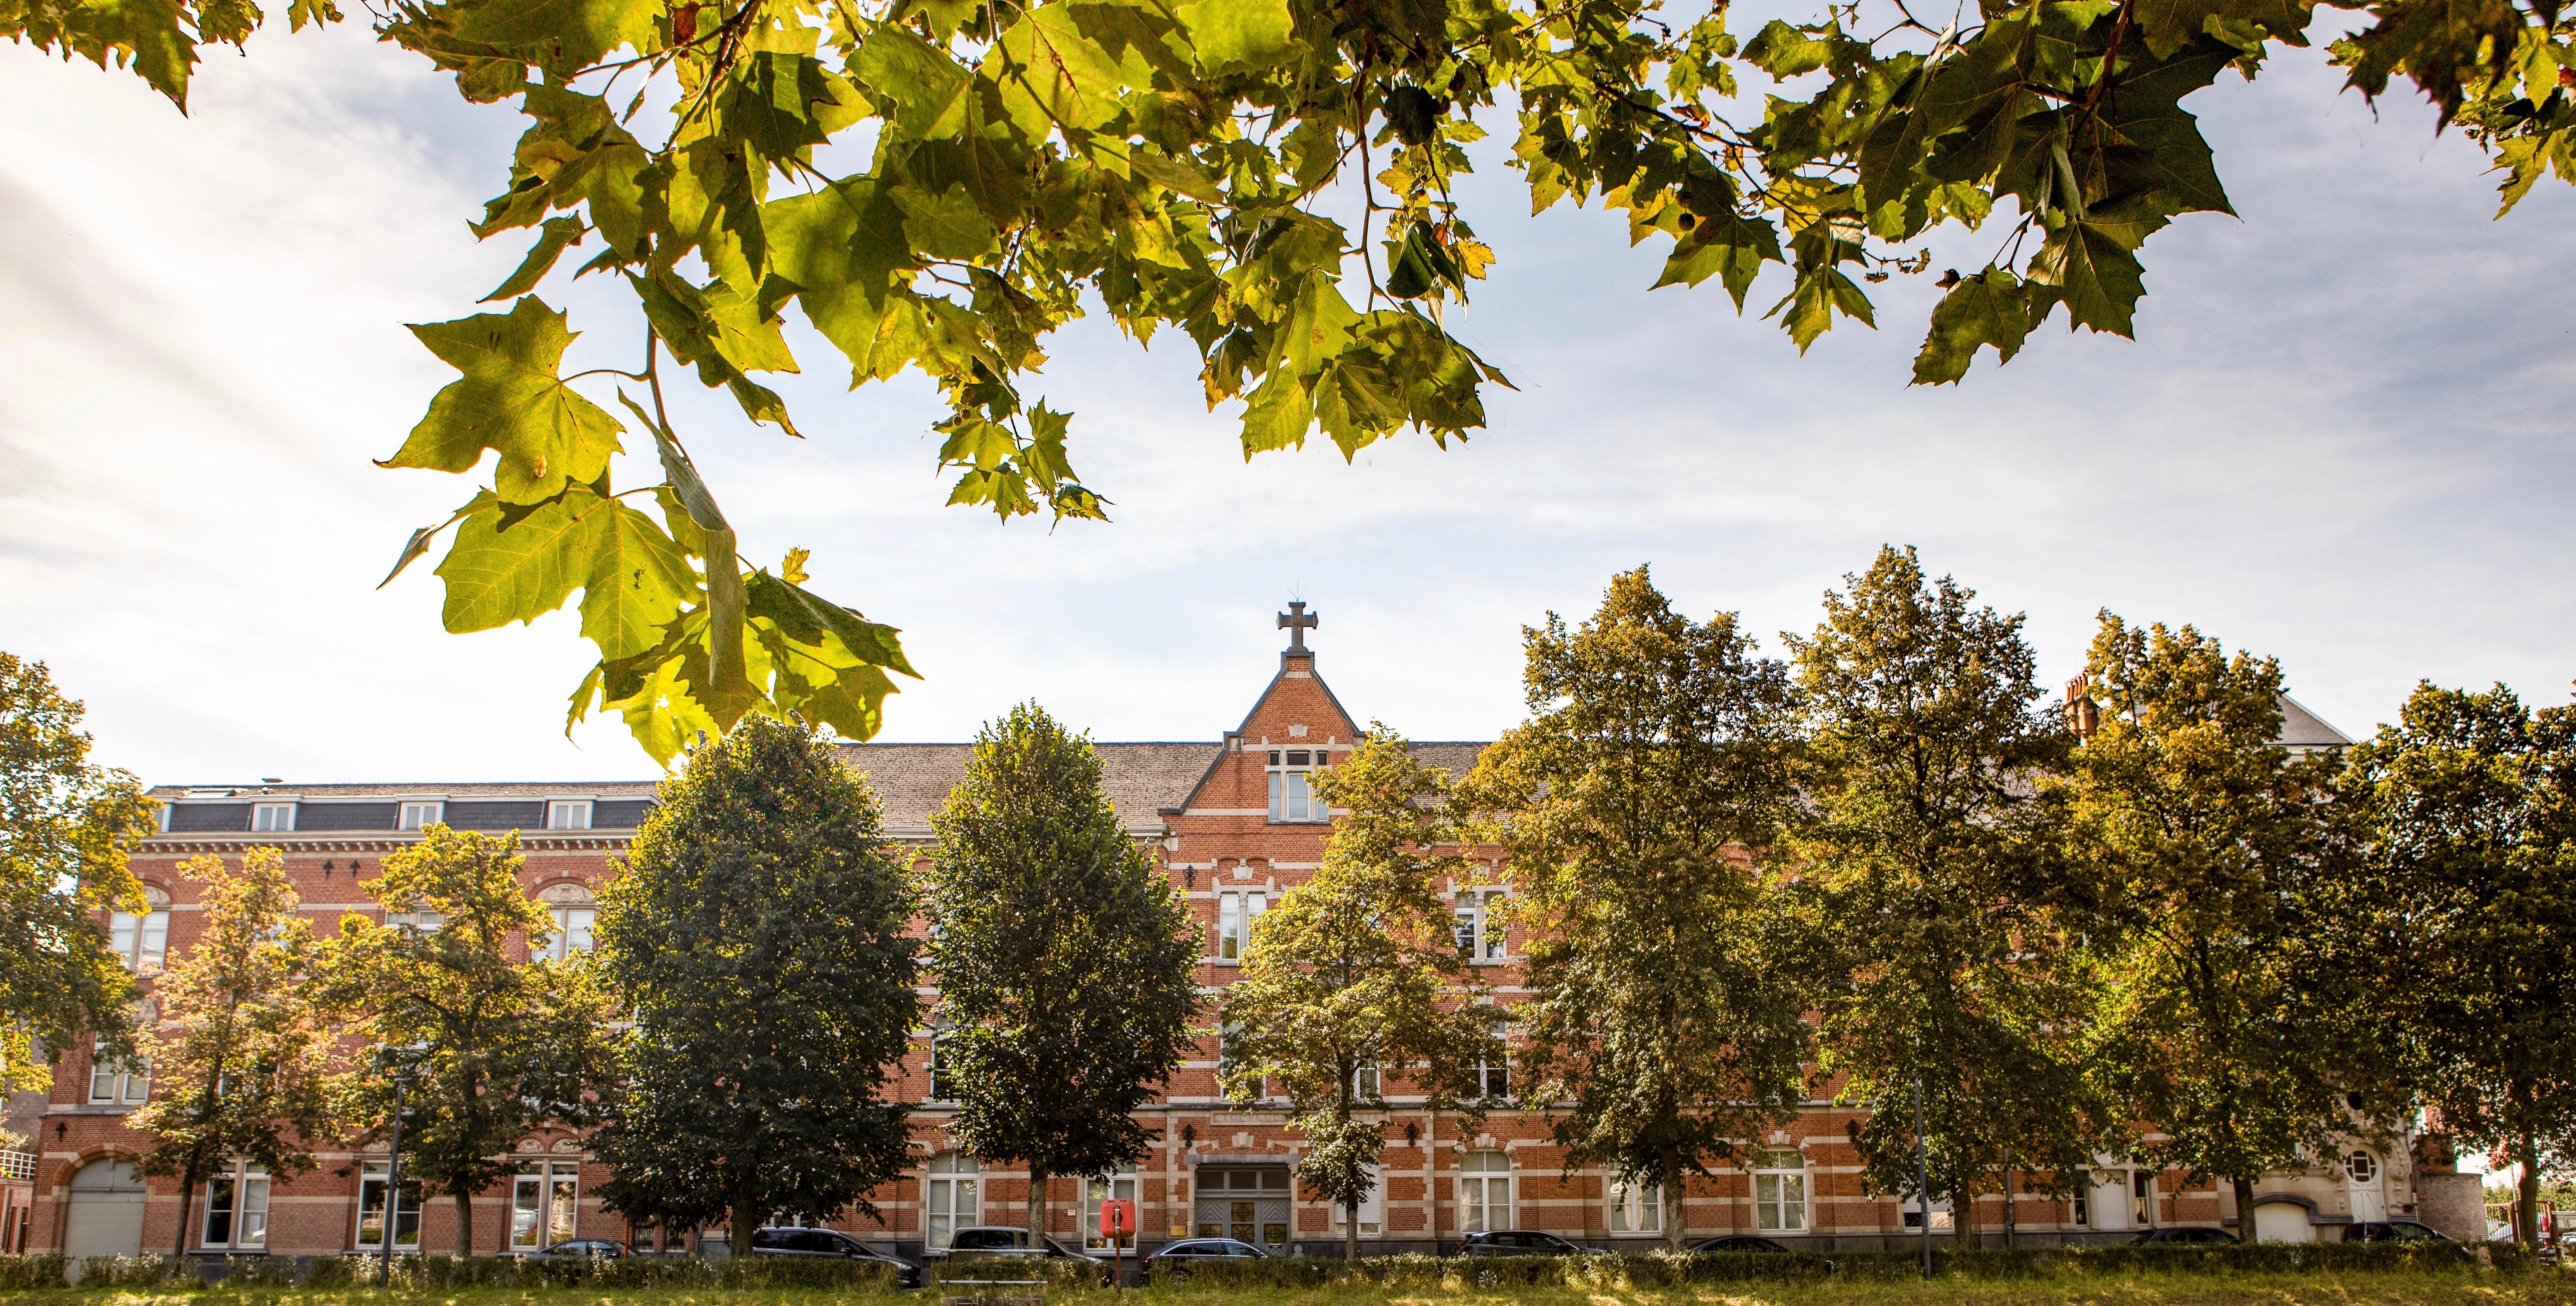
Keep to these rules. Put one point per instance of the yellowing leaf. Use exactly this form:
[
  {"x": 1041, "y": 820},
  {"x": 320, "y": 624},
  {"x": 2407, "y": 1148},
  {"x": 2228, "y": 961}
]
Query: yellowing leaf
[
  {"x": 1226, "y": 32},
  {"x": 511, "y": 401},
  {"x": 562, "y": 34}
]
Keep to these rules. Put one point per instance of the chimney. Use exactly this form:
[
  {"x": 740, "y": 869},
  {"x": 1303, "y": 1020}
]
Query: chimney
[{"x": 2083, "y": 715}]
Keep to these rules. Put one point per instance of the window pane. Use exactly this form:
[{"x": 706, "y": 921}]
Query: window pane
[
  {"x": 562, "y": 1206},
  {"x": 1300, "y": 798},
  {"x": 138, "y": 1082},
  {"x": 254, "y": 1212},
  {"x": 219, "y": 1212},
  {"x": 120, "y": 936},
  {"x": 525, "y": 1199},
  {"x": 1229, "y": 925},
  {"x": 102, "y": 1081},
  {"x": 1278, "y": 787},
  {"x": 156, "y": 937}
]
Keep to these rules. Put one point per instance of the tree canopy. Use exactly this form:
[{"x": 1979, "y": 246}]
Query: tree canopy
[
  {"x": 1355, "y": 978},
  {"x": 66, "y": 824},
  {"x": 1065, "y": 960},
  {"x": 1176, "y": 166},
  {"x": 1962, "y": 976},
  {"x": 1634, "y": 804},
  {"x": 492, "y": 1045},
  {"x": 241, "y": 1054},
  {"x": 2472, "y": 797},
  {"x": 756, "y": 941}
]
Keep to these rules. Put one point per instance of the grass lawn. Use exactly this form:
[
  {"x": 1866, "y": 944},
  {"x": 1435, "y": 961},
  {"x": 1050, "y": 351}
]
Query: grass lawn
[{"x": 2544, "y": 1288}]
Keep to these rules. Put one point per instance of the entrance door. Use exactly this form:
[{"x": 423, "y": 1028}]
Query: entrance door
[
  {"x": 1248, "y": 1205},
  {"x": 2369, "y": 1187},
  {"x": 107, "y": 1211}
]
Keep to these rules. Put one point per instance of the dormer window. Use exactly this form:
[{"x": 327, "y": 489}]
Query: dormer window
[
  {"x": 1292, "y": 793},
  {"x": 272, "y": 818},
  {"x": 420, "y": 816},
  {"x": 568, "y": 814}
]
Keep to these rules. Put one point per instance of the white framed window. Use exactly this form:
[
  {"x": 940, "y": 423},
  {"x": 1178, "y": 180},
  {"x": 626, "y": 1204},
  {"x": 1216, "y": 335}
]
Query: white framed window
[
  {"x": 1480, "y": 925},
  {"x": 1366, "y": 1082},
  {"x": 237, "y": 1208},
  {"x": 948, "y": 1201},
  {"x": 267, "y": 818},
  {"x": 1484, "y": 1192},
  {"x": 1094, "y": 1192},
  {"x": 1914, "y": 1213},
  {"x": 1372, "y": 1208},
  {"x": 373, "y": 1176},
  {"x": 1292, "y": 792},
  {"x": 1235, "y": 913},
  {"x": 1780, "y": 1190},
  {"x": 1494, "y": 1078},
  {"x": 1635, "y": 1208},
  {"x": 426, "y": 922},
  {"x": 163, "y": 817},
  {"x": 2082, "y": 1214},
  {"x": 2142, "y": 1194},
  {"x": 119, "y": 1082},
  {"x": 568, "y": 814},
  {"x": 545, "y": 1203},
  {"x": 572, "y": 935},
  {"x": 420, "y": 816},
  {"x": 142, "y": 942}
]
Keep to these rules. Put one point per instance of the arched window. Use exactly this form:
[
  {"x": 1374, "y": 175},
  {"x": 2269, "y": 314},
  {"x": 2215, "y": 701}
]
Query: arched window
[
  {"x": 1484, "y": 1192},
  {"x": 2363, "y": 1167},
  {"x": 575, "y": 912},
  {"x": 948, "y": 1201},
  {"x": 1780, "y": 1190},
  {"x": 141, "y": 941}
]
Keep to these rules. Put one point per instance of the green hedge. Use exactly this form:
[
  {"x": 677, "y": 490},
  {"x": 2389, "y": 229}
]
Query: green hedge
[
  {"x": 22, "y": 1272},
  {"x": 436, "y": 1271},
  {"x": 1056, "y": 1271}
]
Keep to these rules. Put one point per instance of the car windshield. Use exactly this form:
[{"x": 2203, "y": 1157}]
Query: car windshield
[{"x": 985, "y": 1239}]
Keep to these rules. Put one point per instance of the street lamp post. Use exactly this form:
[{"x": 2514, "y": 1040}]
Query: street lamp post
[{"x": 393, "y": 1192}]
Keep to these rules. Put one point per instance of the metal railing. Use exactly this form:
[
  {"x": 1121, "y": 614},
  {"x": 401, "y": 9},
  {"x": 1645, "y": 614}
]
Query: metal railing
[{"x": 18, "y": 1165}]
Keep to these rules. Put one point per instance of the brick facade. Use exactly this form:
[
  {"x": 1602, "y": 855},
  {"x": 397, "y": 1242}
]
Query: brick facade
[{"x": 1209, "y": 811}]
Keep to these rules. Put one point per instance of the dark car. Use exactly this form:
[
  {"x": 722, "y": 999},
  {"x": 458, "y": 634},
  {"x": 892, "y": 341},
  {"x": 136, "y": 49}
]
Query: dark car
[
  {"x": 1517, "y": 1242},
  {"x": 1742, "y": 1242},
  {"x": 1172, "y": 1260},
  {"x": 2186, "y": 1236},
  {"x": 2394, "y": 1231},
  {"x": 993, "y": 1241},
  {"x": 592, "y": 1249},
  {"x": 822, "y": 1244}
]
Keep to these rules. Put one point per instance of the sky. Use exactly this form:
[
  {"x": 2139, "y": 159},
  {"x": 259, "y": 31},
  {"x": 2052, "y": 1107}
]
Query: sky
[{"x": 2341, "y": 438}]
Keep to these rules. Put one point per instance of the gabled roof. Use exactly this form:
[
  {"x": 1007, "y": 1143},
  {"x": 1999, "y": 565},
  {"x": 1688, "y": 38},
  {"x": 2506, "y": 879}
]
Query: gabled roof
[{"x": 2301, "y": 728}]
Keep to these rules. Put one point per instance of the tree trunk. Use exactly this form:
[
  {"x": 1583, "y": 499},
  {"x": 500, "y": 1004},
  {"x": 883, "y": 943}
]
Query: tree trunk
[
  {"x": 1037, "y": 1208},
  {"x": 1668, "y": 1195},
  {"x": 464, "y": 1223},
  {"x": 742, "y": 1220},
  {"x": 2526, "y": 1202},
  {"x": 1350, "y": 1232},
  {"x": 1963, "y": 1211},
  {"x": 2244, "y": 1206},
  {"x": 187, "y": 1195}
]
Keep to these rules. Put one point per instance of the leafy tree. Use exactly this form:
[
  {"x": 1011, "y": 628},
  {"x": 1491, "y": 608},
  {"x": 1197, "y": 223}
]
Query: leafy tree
[
  {"x": 2224, "y": 897},
  {"x": 756, "y": 939},
  {"x": 1666, "y": 1007},
  {"x": 1960, "y": 972},
  {"x": 66, "y": 825},
  {"x": 1065, "y": 961},
  {"x": 1355, "y": 975},
  {"x": 2473, "y": 804},
  {"x": 242, "y": 1054},
  {"x": 493, "y": 1046},
  {"x": 1173, "y": 166}
]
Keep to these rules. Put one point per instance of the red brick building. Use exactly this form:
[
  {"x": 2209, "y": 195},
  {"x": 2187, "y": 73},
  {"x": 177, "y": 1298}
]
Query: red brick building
[{"x": 1236, "y": 828}]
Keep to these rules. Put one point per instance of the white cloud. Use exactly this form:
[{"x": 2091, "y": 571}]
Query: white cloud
[{"x": 2338, "y": 439}]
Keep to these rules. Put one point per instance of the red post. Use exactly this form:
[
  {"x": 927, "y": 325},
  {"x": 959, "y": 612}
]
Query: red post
[{"x": 1117, "y": 1220}]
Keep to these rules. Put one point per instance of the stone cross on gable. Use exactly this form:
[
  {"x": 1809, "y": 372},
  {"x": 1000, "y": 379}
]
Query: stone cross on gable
[{"x": 1297, "y": 621}]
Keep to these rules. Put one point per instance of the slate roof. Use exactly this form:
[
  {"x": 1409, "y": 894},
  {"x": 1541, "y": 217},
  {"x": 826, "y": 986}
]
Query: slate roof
[
  {"x": 914, "y": 779},
  {"x": 451, "y": 788},
  {"x": 2301, "y": 728}
]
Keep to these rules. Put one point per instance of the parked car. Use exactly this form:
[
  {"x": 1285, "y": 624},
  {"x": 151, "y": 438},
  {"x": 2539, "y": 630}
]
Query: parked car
[
  {"x": 2393, "y": 1231},
  {"x": 593, "y": 1249},
  {"x": 1173, "y": 1260},
  {"x": 2186, "y": 1236},
  {"x": 1517, "y": 1242},
  {"x": 987, "y": 1241},
  {"x": 820, "y": 1244},
  {"x": 1741, "y": 1242}
]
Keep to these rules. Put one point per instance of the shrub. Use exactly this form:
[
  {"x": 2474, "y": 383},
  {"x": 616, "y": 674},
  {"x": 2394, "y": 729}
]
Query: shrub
[
  {"x": 24, "y": 1272},
  {"x": 135, "y": 1271}
]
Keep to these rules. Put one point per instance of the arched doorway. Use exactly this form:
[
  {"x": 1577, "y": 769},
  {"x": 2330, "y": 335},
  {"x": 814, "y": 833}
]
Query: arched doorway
[{"x": 106, "y": 1216}]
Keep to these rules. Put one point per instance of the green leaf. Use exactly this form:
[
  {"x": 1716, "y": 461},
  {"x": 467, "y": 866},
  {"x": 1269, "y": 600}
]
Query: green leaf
[
  {"x": 2092, "y": 270},
  {"x": 948, "y": 224},
  {"x": 1276, "y": 416},
  {"x": 1986, "y": 309},
  {"x": 925, "y": 88},
  {"x": 1727, "y": 246},
  {"x": 786, "y": 103},
  {"x": 635, "y": 580},
  {"x": 507, "y": 567},
  {"x": 844, "y": 249},
  {"x": 1053, "y": 75},
  {"x": 1785, "y": 52},
  {"x": 510, "y": 401},
  {"x": 1254, "y": 33},
  {"x": 839, "y": 636},
  {"x": 562, "y": 34},
  {"x": 559, "y": 233}
]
